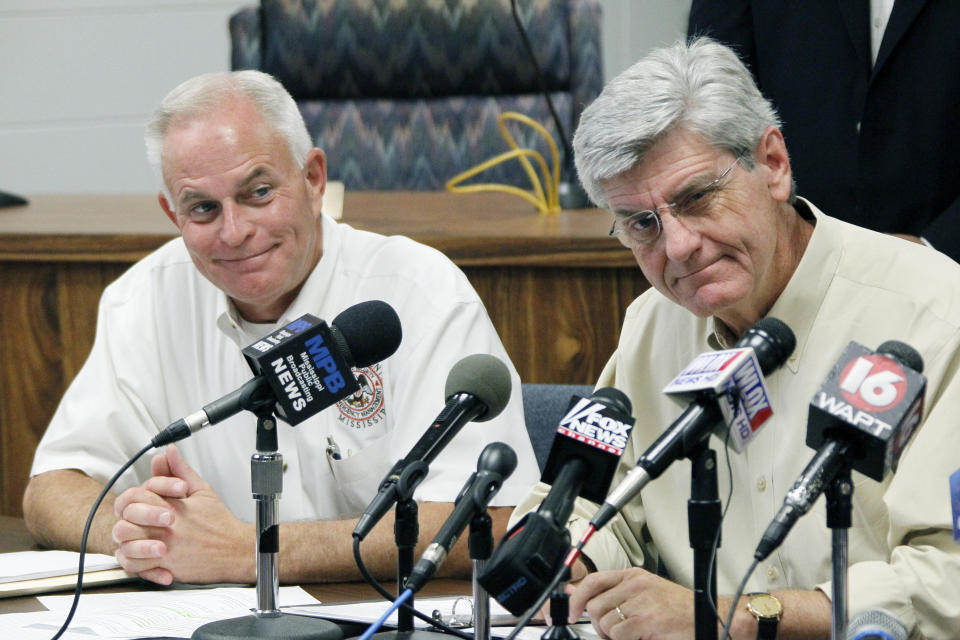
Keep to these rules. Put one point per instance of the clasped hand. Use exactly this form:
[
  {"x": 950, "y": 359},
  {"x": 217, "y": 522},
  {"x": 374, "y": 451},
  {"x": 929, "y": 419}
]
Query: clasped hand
[{"x": 175, "y": 527}]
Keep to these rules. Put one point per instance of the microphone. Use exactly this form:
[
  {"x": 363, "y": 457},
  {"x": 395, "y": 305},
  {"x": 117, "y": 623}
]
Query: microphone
[
  {"x": 583, "y": 459},
  {"x": 478, "y": 389},
  {"x": 876, "y": 624},
  {"x": 302, "y": 368},
  {"x": 863, "y": 415},
  {"x": 495, "y": 464},
  {"x": 720, "y": 385}
]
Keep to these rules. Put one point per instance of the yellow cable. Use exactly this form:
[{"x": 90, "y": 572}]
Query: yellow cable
[{"x": 545, "y": 200}]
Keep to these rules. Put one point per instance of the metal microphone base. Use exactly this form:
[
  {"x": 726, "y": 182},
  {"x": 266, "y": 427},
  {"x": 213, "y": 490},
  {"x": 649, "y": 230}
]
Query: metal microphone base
[{"x": 282, "y": 627}]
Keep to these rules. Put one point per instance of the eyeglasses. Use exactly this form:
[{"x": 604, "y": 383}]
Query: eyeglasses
[{"x": 644, "y": 227}]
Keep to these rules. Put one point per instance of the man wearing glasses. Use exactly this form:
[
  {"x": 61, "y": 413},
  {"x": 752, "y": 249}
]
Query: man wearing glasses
[{"x": 688, "y": 156}]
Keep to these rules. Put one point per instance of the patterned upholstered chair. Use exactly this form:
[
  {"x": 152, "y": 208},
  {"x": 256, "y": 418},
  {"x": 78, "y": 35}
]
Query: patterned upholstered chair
[
  {"x": 543, "y": 407},
  {"x": 405, "y": 95}
]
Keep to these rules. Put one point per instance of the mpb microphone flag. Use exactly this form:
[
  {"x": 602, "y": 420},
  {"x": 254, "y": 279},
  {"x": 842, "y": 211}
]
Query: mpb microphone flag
[{"x": 305, "y": 366}]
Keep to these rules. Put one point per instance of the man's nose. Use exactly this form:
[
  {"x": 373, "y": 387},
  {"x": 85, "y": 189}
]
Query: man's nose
[
  {"x": 679, "y": 241},
  {"x": 236, "y": 226}
]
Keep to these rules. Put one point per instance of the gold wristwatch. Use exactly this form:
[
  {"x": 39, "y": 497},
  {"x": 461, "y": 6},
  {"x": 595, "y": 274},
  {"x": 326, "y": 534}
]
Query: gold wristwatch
[{"x": 767, "y": 610}]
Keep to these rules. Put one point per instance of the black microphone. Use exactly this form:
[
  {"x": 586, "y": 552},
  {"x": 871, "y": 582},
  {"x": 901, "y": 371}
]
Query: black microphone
[
  {"x": 876, "y": 624},
  {"x": 862, "y": 415},
  {"x": 583, "y": 459},
  {"x": 302, "y": 368},
  {"x": 717, "y": 375},
  {"x": 495, "y": 464},
  {"x": 478, "y": 389}
]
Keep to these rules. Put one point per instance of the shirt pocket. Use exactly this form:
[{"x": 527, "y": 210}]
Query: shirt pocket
[{"x": 358, "y": 476}]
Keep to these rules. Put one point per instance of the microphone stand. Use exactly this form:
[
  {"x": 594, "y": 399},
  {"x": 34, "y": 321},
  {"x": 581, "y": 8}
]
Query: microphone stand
[
  {"x": 559, "y": 612},
  {"x": 406, "y": 531},
  {"x": 480, "y": 544},
  {"x": 267, "y": 621},
  {"x": 839, "y": 495},
  {"x": 703, "y": 522}
]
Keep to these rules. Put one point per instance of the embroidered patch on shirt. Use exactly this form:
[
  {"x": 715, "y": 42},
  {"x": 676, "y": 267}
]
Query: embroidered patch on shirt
[{"x": 365, "y": 408}]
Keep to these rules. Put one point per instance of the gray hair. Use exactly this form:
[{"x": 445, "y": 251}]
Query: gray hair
[
  {"x": 198, "y": 95},
  {"x": 700, "y": 86}
]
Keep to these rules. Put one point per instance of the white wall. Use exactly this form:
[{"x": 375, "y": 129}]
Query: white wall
[
  {"x": 78, "y": 78},
  {"x": 633, "y": 27}
]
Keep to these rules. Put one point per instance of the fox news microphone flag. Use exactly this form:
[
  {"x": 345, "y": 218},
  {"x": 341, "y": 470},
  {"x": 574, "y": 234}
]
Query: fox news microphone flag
[{"x": 586, "y": 448}]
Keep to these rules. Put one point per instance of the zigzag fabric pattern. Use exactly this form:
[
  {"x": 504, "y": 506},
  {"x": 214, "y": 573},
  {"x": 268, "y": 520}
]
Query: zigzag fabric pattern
[{"x": 404, "y": 95}]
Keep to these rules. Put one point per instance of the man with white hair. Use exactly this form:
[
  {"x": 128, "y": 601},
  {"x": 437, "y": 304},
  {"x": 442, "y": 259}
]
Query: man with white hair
[
  {"x": 688, "y": 157},
  {"x": 244, "y": 185}
]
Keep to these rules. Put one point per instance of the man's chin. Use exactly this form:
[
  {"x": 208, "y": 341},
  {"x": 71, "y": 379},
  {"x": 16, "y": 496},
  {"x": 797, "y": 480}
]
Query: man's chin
[{"x": 711, "y": 300}]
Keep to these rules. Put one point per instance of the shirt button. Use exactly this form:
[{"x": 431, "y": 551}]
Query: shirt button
[
  {"x": 772, "y": 573},
  {"x": 283, "y": 469},
  {"x": 761, "y": 483}
]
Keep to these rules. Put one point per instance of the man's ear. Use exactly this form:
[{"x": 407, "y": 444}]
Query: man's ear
[
  {"x": 315, "y": 173},
  {"x": 167, "y": 209},
  {"x": 772, "y": 153}
]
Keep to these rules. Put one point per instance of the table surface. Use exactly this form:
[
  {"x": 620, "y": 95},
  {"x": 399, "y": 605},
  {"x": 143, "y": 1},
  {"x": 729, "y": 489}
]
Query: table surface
[
  {"x": 472, "y": 229},
  {"x": 14, "y": 537}
]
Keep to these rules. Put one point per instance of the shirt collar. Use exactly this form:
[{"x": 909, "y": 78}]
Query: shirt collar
[{"x": 310, "y": 298}]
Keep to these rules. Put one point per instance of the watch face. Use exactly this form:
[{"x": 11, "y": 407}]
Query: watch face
[{"x": 765, "y": 605}]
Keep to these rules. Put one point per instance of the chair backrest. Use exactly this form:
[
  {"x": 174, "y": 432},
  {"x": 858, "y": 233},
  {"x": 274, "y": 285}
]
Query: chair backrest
[
  {"x": 406, "y": 95},
  {"x": 543, "y": 406}
]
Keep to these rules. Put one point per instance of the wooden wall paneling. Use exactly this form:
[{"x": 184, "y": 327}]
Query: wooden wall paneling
[
  {"x": 29, "y": 368},
  {"x": 79, "y": 288},
  {"x": 48, "y": 322},
  {"x": 558, "y": 325}
]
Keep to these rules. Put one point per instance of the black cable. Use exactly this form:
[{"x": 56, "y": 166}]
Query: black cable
[
  {"x": 379, "y": 588},
  {"x": 86, "y": 533},
  {"x": 567, "y": 152}
]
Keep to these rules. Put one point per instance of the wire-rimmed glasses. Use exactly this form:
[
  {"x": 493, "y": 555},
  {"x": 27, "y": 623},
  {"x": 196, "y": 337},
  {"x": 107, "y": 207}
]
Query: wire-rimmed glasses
[{"x": 644, "y": 227}]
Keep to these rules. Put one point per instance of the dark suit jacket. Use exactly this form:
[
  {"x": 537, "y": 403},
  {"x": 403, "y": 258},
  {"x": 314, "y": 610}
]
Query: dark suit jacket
[{"x": 880, "y": 146}]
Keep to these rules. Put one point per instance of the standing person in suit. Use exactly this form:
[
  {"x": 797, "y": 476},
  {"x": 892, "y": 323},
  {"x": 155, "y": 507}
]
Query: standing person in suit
[{"x": 869, "y": 95}]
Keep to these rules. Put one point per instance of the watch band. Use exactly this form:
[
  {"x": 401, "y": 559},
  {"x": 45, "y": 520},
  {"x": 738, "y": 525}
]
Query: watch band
[{"x": 767, "y": 628}]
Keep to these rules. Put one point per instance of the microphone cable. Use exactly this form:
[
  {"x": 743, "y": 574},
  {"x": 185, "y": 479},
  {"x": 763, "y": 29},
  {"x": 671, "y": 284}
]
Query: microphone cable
[
  {"x": 86, "y": 533},
  {"x": 545, "y": 198},
  {"x": 395, "y": 604},
  {"x": 716, "y": 537},
  {"x": 564, "y": 141},
  {"x": 389, "y": 597}
]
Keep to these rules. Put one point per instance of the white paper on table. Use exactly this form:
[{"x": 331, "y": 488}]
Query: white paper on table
[
  {"x": 137, "y": 614},
  {"x": 27, "y": 565},
  {"x": 370, "y": 611}
]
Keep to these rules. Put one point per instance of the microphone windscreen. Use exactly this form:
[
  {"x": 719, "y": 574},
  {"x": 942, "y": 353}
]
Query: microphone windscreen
[
  {"x": 371, "y": 331},
  {"x": 904, "y": 353},
  {"x": 498, "y": 458},
  {"x": 876, "y": 624},
  {"x": 613, "y": 398},
  {"x": 773, "y": 342},
  {"x": 484, "y": 377}
]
